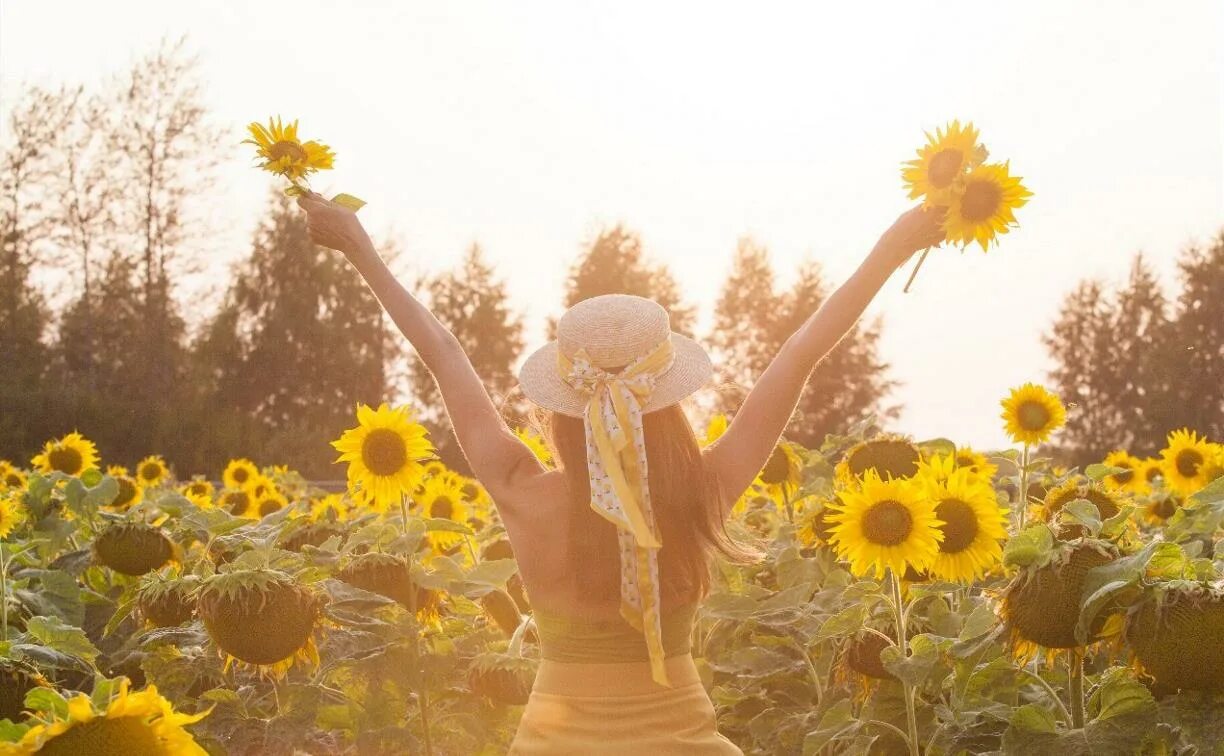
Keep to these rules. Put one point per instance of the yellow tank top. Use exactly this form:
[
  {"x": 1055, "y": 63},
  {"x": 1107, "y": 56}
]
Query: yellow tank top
[{"x": 571, "y": 640}]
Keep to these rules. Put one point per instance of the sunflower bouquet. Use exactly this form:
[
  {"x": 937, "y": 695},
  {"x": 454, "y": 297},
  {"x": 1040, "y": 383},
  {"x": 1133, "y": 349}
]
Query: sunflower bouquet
[
  {"x": 978, "y": 198},
  {"x": 284, "y": 154}
]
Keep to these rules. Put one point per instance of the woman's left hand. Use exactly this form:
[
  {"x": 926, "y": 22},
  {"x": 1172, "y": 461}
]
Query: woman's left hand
[
  {"x": 333, "y": 225},
  {"x": 915, "y": 229}
]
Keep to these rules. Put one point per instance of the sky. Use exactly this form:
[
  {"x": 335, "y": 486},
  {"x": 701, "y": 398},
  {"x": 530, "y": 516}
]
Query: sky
[{"x": 527, "y": 127}]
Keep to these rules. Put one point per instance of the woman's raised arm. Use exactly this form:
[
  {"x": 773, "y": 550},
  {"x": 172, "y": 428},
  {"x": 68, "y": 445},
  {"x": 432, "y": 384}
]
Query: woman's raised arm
[
  {"x": 496, "y": 455},
  {"x": 741, "y": 452}
]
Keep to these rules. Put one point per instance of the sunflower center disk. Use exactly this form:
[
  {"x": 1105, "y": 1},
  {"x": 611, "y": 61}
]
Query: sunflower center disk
[
  {"x": 66, "y": 460},
  {"x": 960, "y": 526},
  {"x": 944, "y": 167},
  {"x": 890, "y": 459},
  {"x": 887, "y": 523},
  {"x": 384, "y": 452},
  {"x": 13, "y": 480},
  {"x": 150, "y": 472},
  {"x": 1188, "y": 462},
  {"x": 777, "y": 468},
  {"x": 981, "y": 200},
  {"x": 1165, "y": 508},
  {"x": 119, "y": 736},
  {"x": 442, "y": 507},
  {"x": 1124, "y": 477},
  {"x": 127, "y": 492},
  {"x": 241, "y": 475},
  {"x": 291, "y": 150},
  {"x": 1033, "y": 416}
]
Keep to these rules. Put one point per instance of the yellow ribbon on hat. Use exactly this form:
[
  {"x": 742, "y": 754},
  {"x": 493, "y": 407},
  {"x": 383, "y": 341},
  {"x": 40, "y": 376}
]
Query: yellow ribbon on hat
[{"x": 616, "y": 462}]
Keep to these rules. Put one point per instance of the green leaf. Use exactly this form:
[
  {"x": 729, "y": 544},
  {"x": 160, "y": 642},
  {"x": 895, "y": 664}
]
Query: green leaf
[
  {"x": 1126, "y": 713},
  {"x": 443, "y": 525},
  {"x": 1083, "y": 513},
  {"x": 54, "y": 633},
  {"x": 11, "y": 732},
  {"x": 924, "y": 655},
  {"x": 47, "y": 700},
  {"x": 1030, "y": 547},
  {"x": 493, "y": 573},
  {"x": 1100, "y": 472},
  {"x": 979, "y": 622},
  {"x": 837, "y": 720},
  {"x": 1104, "y": 584},
  {"x": 846, "y": 622},
  {"x": 349, "y": 201},
  {"x": 1034, "y": 718},
  {"x": 1212, "y": 493}
]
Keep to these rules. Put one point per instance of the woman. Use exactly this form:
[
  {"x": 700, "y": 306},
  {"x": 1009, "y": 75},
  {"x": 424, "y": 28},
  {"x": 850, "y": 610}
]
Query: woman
[{"x": 614, "y": 546}]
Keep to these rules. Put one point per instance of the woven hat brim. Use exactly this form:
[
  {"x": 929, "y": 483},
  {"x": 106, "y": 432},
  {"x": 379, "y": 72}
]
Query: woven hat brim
[{"x": 542, "y": 383}]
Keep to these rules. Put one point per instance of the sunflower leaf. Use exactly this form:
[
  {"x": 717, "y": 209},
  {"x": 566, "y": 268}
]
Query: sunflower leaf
[
  {"x": 1212, "y": 493},
  {"x": 1083, "y": 513},
  {"x": 349, "y": 201},
  {"x": 1032, "y": 546},
  {"x": 1100, "y": 472},
  {"x": 54, "y": 633}
]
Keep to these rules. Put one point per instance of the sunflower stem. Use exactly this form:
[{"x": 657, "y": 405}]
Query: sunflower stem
[
  {"x": 1075, "y": 661},
  {"x": 1024, "y": 483},
  {"x": 914, "y": 273},
  {"x": 786, "y": 502},
  {"x": 3, "y": 595},
  {"x": 899, "y": 614}
]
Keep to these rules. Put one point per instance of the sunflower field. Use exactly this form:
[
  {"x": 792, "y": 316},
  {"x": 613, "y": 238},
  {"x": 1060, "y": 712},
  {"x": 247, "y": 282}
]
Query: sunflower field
[{"x": 910, "y": 597}]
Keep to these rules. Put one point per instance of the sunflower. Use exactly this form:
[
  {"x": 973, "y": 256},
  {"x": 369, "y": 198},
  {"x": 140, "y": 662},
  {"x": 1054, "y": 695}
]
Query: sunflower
[
  {"x": 983, "y": 209},
  {"x": 152, "y": 470},
  {"x": 236, "y": 501},
  {"x": 271, "y": 501},
  {"x": 1174, "y": 634},
  {"x": 974, "y": 525},
  {"x": 937, "y": 468},
  {"x": 885, "y": 523},
  {"x": 238, "y": 473},
  {"x": 130, "y": 491},
  {"x": 11, "y": 476},
  {"x": 1032, "y": 413},
  {"x": 1127, "y": 480},
  {"x": 780, "y": 475},
  {"x": 142, "y": 723},
  {"x": 259, "y": 487},
  {"x": 441, "y": 497},
  {"x": 535, "y": 442},
  {"x": 888, "y": 456},
  {"x": 384, "y": 454},
  {"x": 715, "y": 429},
  {"x": 1161, "y": 506},
  {"x": 329, "y": 508},
  {"x": 133, "y": 548},
  {"x": 1042, "y": 604},
  {"x": 72, "y": 455},
  {"x": 261, "y": 617},
  {"x": 976, "y": 462},
  {"x": 1151, "y": 473},
  {"x": 1214, "y": 466},
  {"x": 814, "y": 524},
  {"x": 1184, "y": 460},
  {"x": 10, "y": 513},
  {"x": 198, "y": 488},
  {"x": 391, "y": 576},
  {"x": 1108, "y": 504},
  {"x": 944, "y": 159},
  {"x": 284, "y": 154}
]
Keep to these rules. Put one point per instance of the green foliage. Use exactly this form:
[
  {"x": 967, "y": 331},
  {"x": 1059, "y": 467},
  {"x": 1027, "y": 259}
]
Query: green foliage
[{"x": 1135, "y": 364}]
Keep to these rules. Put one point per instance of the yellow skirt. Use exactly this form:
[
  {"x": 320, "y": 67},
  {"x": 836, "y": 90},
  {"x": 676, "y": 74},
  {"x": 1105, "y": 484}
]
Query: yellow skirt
[{"x": 615, "y": 708}]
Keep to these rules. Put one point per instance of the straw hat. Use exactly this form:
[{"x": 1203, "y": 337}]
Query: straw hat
[{"x": 614, "y": 329}]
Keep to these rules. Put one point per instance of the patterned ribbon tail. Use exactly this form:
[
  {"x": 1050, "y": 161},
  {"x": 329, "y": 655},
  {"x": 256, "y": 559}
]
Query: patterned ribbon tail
[{"x": 616, "y": 457}]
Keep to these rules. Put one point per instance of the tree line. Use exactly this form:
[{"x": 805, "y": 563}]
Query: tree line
[{"x": 102, "y": 215}]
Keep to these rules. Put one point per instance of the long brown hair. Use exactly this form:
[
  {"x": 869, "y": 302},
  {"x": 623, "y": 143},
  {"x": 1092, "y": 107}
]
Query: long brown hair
[{"x": 684, "y": 498}]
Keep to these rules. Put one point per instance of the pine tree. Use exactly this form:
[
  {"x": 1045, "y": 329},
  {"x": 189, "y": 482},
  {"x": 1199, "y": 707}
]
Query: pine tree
[
  {"x": 751, "y": 324},
  {"x": 1132, "y": 366},
  {"x": 299, "y": 341},
  {"x": 27, "y": 223},
  {"x": 615, "y": 263}
]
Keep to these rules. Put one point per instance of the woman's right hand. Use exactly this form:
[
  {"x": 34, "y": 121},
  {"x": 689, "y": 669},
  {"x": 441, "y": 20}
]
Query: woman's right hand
[
  {"x": 915, "y": 229},
  {"x": 333, "y": 225}
]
